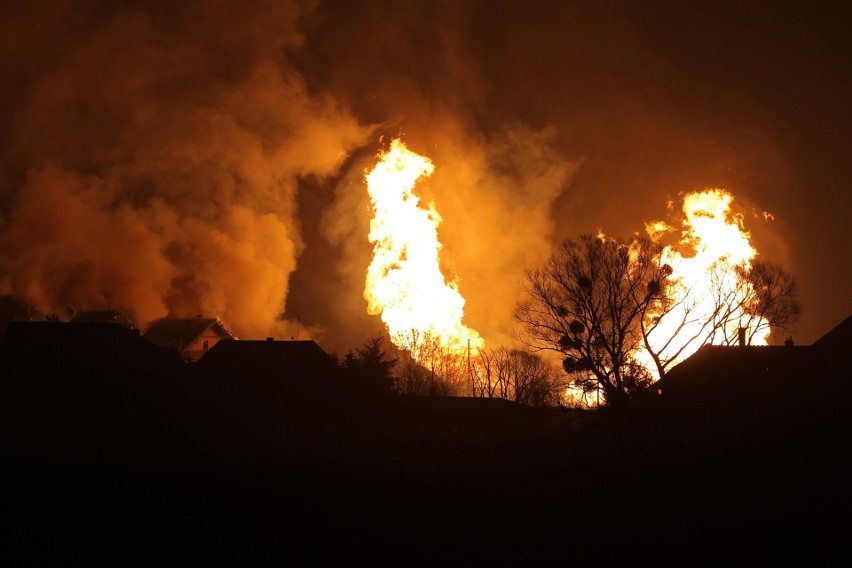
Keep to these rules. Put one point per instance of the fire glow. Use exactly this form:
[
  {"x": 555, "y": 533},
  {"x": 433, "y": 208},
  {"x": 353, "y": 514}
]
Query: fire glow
[
  {"x": 404, "y": 281},
  {"x": 713, "y": 243},
  {"x": 405, "y": 284}
]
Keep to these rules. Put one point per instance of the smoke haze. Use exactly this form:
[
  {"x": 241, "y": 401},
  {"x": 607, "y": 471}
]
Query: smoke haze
[{"x": 208, "y": 158}]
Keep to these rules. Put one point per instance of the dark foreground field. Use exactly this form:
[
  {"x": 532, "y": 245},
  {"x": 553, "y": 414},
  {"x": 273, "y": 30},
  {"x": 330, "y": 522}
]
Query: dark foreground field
[
  {"x": 113, "y": 451},
  {"x": 105, "y": 471}
]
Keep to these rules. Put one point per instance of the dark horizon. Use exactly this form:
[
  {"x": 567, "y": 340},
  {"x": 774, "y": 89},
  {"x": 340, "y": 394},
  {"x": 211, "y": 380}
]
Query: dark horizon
[{"x": 113, "y": 449}]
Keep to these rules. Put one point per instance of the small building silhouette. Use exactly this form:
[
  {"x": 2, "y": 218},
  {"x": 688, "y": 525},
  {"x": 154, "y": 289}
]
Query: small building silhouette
[
  {"x": 84, "y": 393},
  {"x": 103, "y": 316},
  {"x": 302, "y": 359},
  {"x": 191, "y": 338},
  {"x": 750, "y": 372}
]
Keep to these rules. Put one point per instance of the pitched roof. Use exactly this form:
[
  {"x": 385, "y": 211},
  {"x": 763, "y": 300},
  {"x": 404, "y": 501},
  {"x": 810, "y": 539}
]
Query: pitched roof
[
  {"x": 91, "y": 393},
  {"x": 758, "y": 370},
  {"x": 66, "y": 346},
  {"x": 103, "y": 316},
  {"x": 268, "y": 358},
  {"x": 839, "y": 337},
  {"x": 269, "y": 383},
  {"x": 175, "y": 332},
  {"x": 13, "y": 308},
  {"x": 723, "y": 367},
  {"x": 750, "y": 357}
]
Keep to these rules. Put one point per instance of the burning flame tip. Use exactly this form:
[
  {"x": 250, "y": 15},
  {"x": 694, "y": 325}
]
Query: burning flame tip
[
  {"x": 713, "y": 241},
  {"x": 404, "y": 281}
]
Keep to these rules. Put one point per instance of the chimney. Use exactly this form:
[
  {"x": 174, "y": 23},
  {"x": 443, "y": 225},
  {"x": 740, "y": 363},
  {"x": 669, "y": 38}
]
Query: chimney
[{"x": 741, "y": 336}]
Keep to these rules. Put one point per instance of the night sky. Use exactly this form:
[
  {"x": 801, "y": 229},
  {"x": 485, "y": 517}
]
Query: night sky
[{"x": 184, "y": 158}]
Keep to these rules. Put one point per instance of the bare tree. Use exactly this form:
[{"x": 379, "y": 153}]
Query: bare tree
[
  {"x": 412, "y": 378},
  {"x": 427, "y": 367},
  {"x": 752, "y": 299},
  {"x": 683, "y": 316},
  {"x": 484, "y": 375},
  {"x": 535, "y": 381},
  {"x": 617, "y": 312},
  {"x": 771, "y": 298},
  {"x": 588, "y": 302},
  {"x": 517, "y": 375}
]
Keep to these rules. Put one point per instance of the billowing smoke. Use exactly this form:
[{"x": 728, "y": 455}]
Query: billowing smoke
[
  {"x": 185, "y": 158},
  {"x": 543, "y": 120},
  {"x": 152, "y": 157}
]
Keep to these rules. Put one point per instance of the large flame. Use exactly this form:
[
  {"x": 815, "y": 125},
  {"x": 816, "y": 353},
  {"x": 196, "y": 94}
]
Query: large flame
[
  {"x": 712, "y": 244},
  {"x": 404, "y": 281}
]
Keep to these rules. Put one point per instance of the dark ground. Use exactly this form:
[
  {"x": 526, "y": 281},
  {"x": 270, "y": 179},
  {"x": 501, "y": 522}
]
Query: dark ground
[
  {"x": 419, "y": 481},
  {"x": 113, "y": 453}
]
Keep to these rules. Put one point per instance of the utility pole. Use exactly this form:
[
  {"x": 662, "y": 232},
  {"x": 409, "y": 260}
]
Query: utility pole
[{"x": 469, "y": 374}]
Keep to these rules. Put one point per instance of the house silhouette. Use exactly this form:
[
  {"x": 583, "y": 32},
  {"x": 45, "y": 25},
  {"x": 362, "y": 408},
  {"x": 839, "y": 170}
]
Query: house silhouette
[
  {"x": 189, "y": 337},
  {"x": 89, "y": 394},
  {"x": 103, "y": 316},
  {"x": 277, "y": 360},
  {"x": 762, "y": 430},
  {"x": 268, "y": 380},
  {"x": 762, "y": 375}
]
